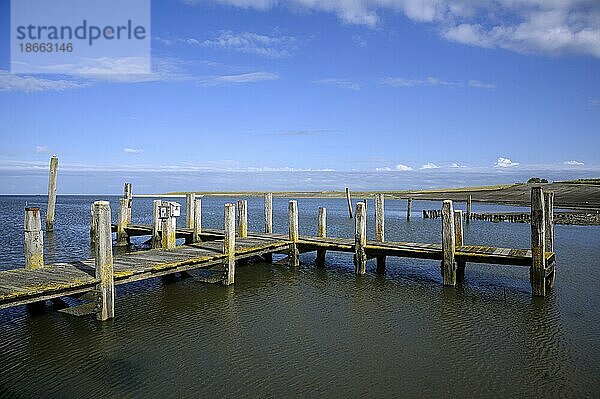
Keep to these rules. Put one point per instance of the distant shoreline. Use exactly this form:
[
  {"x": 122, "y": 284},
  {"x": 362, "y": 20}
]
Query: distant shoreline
[{"x": 571, "y": 195}]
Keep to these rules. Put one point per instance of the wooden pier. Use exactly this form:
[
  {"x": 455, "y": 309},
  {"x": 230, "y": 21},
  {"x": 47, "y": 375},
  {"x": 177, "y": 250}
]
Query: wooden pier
[{"x": 219, "y": 250}]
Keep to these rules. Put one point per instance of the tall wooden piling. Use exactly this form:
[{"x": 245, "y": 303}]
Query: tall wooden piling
[
  {"x": 92, "y": 225},
  {"x": 448, "y": 244},
  {"x": 349, "y": 201},
  {"x": 128, "y": 194},
  {"x": 122, "y": 237},
  {"x": 458, "y": 242},
  {"x": 190, "y": 203},
  {"x": 360, "y": 239},
  {"x": 549, "y": 218},
  {"x": 242, "y": 207},
  {"x": 156, "y": 224},
  {"x": 268, "y": 213},
  {"x": 197, "y": 220},
  {"x": 380, "y": 227},
  {"x": 169, "y": 226},
  {"x": 229, "y": 244},
  {"x": 322, "y": 233},
  {"x": 549, "y": 231},
  {"x": 294, "y": 255},
  {"x": 34, "y": 239},
  {"x": 104, "y": 261},
  {"x": 52, "y": 177},
  {"x": 537, "y": 272},
  {"x": 468, "y": 216},
  {"x": 408, "y": 209}
]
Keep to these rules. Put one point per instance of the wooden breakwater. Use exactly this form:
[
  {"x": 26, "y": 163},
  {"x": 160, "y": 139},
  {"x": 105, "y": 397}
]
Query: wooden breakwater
[
  {"x": 219, "y": 251},
  {"x": 583, "y": 218}
]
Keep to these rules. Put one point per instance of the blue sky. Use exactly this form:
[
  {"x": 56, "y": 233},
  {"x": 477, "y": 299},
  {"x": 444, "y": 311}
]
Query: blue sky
[{"x": 275, "y": 94}]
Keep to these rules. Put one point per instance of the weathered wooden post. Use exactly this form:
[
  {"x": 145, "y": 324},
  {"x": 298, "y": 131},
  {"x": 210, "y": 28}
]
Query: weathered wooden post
[
  {"x": 349, "y": 201},
  {"x": 34, "y": 239},
  {"x": 53, "y": 175},
  {"x": 549, "y": 231},
  {"x": 268, "y": 199},
  {"x": 549, "y": 215},
  {"x": 294, "y": 256},
  {"x": 408, "y": 209},
  {"x": 458, "y": 242},
  {"x": 360, "y": 239},
  {"x": 197, "y": 220},
  {"x": 242, "y": 207},
  {"x": 122, "y": 236},
  {"x": 268, "y": 213},
  {"x": 156, "y": 224},
  {"x": 128, "y": 194},
  {"x": 468, "y": 217},
  {"x": 190, "y": 199},
  {"x": 448, "y": 244},
  {"x": 169, "y": 211},
  {"x": 229, "y": 244},
  {"x": 104, "y": 261},
  {"x": 537, "y": 272},
  {"x": 380, "y": 227},
  {"x": 322, "y": 233},
  {"x": 92, "y": 225}
]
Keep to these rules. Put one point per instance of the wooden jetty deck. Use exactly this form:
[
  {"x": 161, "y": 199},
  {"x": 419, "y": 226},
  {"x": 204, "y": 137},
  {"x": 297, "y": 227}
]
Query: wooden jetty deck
[{"x": 219, "y": 250}]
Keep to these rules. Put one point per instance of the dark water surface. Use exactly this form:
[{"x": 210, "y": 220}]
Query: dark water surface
[{"x": 311, "y": 332}]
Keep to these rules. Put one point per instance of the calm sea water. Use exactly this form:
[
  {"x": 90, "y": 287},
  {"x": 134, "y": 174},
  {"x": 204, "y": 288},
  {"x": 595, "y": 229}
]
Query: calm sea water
[{"x": 312, "y": 332}]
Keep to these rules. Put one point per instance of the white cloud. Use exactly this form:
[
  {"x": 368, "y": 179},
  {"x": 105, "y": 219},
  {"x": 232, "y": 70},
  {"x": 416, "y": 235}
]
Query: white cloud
[
  {"x": 252, "y": 43},
  {"x": 383, "y": 169},
  {"x": 525, "y": 26},
  {"x": 481, "y": 85},
  {"x": 29, "y": 84},
  {"x": 403, "y": 168},
  {"x": 505, "y": 163},
  {"x": 574, "y": 163},
  {"x": 432, "y": 81},
  {"x": 250, "y": 77},
  {"x": 42, "y": 149},
  {"x": 429, "y": 165},
  {"x": 341, "y": 83},
  {"x": 429, "y": 81},
  {"x": 456, "y": 165},
  {"x": 133, "y": 151}
]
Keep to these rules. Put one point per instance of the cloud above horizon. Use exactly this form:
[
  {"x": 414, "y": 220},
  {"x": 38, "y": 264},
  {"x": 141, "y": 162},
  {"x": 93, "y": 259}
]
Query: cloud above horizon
[
  {"x": 523, "y": 26},
  {"x": 505, "y": 163}
]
